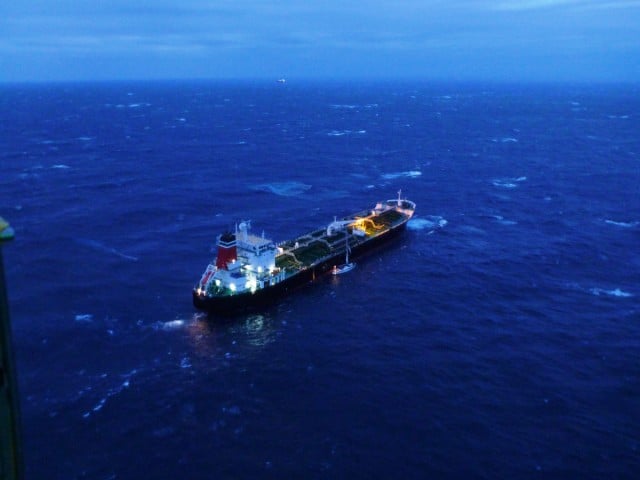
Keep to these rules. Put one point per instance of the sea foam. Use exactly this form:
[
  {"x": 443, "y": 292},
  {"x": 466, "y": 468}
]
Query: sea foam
[
  {"x": 508, "y": 182},
  {"x": 173, "y": 324},
  {"x": 622, "y": 224},
  {"x": 87, "y": 242},
  {"x": 502, "y": 221},
  {"x": 408, "y": 174},
  {"x": 111, "y": 393},
  {"x": 284, "y": 189},
  {"x": 616, "y": 292},
  {"x": 430, "y": 222},
  {"x": 340, "y": 133}
]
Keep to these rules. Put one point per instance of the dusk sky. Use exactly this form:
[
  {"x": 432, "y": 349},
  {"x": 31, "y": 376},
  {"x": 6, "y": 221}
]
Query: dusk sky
[{"x": 457, "y": 40}]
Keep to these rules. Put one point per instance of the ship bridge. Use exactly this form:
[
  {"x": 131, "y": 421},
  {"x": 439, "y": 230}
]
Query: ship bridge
[{"x": 256, "y": 253}]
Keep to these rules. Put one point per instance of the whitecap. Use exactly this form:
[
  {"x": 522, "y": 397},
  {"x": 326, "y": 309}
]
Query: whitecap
[
  {"x": 172, "y": 324},
  {"x": 622, "y": 224},
  {"x": 85, "y": 139},
  {"x": 502, "y": 221},
  {"x": 99, "y": 246},
  {"x": 504, "y": 140},
  {"x": 508, "y": 182},
  {"x": 111, "y": 393},
  {"x": 472, "y": 230},
  {"x": 408, "y": 174},
  {"x": 84, "y": 317},
  {"x": 616, "y": 292},
  {"x": 284, "y": 189},
  {"x": 502, "y": 184},
  {"x": 345, "y": 106},
  {"x": 60, "y": 166}
]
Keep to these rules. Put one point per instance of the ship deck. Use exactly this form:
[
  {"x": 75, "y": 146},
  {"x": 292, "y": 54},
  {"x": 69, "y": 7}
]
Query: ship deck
[{"x": 308, "y": 249}]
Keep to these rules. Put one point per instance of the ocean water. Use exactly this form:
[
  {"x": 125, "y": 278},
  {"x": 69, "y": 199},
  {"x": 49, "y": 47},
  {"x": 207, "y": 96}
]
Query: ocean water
[{"x": 498, "y": 338}]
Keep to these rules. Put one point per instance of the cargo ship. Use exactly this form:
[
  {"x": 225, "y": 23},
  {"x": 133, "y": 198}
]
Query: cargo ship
[{"x": 252, "y": 271}]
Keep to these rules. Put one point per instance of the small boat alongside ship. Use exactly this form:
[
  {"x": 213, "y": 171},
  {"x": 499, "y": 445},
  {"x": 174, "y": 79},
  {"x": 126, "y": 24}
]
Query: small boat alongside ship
[
  {"x": 347, "y": 266},
  {"x": 252, "y": 271}
]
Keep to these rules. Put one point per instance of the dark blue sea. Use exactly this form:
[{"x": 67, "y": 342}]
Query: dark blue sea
[{"x": 498, "y": 338}]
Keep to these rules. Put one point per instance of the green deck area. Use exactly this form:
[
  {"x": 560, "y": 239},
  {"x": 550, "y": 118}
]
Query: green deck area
[
  {"x": 312, "y": 252},
  {"x": 305, "y": 255},
  {"x": 316, "y": 245},
  {"x": 286, "y": 262}
]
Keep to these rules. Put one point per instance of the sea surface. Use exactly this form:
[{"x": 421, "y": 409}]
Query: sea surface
[{"x": 498, "y": 338}]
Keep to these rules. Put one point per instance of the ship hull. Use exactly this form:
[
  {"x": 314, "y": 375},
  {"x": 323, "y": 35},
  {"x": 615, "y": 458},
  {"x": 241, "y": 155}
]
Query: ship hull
[{"x": 247, "y": 302}]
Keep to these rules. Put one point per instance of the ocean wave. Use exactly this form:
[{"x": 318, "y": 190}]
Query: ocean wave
[
  {"x": 351, "y": 106},
  {"x": 111, "y": 393},
  {"x": 130, "y": 105},
  {"x": 503, "y": 184},
  {"x": 511, "y": 182},
  {"x": 502, "y": 221},
  {"x": 340, "y": 133},
  {"x": 504, "y": 140},
  {"x": 60, "y": 166},
  {"x": 616, "y": 292},
  {"x": 84, "y": 317},
  {"x": 622, "y": 224},
  {"x": 430, "y": 222},
  {"x": 409, "y": 174},
  {"x": 87, "y": 242},
  {"x": 170, "y": 325},
  {"x": 284, "y": 189}
]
